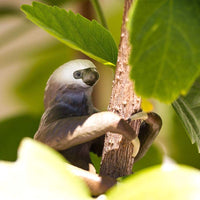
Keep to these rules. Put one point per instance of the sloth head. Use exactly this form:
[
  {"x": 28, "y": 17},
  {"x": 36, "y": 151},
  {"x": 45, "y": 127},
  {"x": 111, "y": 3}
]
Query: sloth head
[
  {"x": 76, "y": 77},
  {"x": 78, "y": 74}
]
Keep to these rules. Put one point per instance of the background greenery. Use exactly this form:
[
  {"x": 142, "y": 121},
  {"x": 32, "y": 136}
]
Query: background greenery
[{"x": 28, "y": 55}]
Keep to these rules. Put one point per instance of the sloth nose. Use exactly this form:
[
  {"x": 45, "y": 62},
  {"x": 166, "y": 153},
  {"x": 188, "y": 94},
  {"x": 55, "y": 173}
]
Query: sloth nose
[{"x": 90, "y": 77}]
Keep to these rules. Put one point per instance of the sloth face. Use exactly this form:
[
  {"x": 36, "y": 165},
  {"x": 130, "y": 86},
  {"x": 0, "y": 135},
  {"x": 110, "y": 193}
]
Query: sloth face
[{"x": 76, "y": 74}]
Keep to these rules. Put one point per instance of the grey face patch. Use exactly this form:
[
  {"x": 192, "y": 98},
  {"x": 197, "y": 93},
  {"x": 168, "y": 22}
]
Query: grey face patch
[{"x": 89, "y": 76}]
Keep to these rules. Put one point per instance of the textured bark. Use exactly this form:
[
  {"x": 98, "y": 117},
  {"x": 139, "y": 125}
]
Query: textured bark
[{"x": 117, "y": 157}]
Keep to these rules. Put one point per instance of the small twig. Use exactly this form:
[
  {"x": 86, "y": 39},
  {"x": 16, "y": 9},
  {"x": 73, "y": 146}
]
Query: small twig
[{"x": 99, "y": 12}]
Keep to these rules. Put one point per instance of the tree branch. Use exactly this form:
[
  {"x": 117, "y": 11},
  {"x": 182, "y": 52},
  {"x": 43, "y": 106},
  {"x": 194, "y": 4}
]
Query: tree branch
[{"x": 117, "y": 157}]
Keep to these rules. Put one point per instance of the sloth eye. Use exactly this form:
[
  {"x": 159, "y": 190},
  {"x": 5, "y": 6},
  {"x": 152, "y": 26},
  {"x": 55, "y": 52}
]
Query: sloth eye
[{"x": 77, "y": 74}]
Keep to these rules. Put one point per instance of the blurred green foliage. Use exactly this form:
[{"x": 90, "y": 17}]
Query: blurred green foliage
[
  {"x": 154, "y": 156},
  {"x": 40, "y": 61},
  {"x": 42, "y": 172},
  {"x": 159, "y": 182},
  {"x": 39, "y": 173},
  {"x": 188, "y": 109},
  {"x": 12, "y": 131},
  {"x": 181, "y": 149},
  {"x": 8, "y": 10},
  {"x": 41, "y": 64}
]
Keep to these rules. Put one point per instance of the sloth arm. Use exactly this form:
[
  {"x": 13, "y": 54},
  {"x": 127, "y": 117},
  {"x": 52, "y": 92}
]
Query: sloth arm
[{"x": 68, "y": 132}]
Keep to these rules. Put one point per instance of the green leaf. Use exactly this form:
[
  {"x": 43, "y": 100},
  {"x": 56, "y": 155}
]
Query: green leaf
[
  {"x": 188, "y": 110},
  {"x": 160, "y": 182},
  {"x": 96, "y": 160},
  {"x": 39, "y": 173},
  {"x": 12, "y": 130},
  {"x": 76, "y": 31},
  {"x": 164, "y": 35},
  {"x": 179, "y": 147}
]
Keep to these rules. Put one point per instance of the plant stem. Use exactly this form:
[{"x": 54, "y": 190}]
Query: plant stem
[
  {"x": 99, "y": 12},
  {"x": 117, "y": 157}
]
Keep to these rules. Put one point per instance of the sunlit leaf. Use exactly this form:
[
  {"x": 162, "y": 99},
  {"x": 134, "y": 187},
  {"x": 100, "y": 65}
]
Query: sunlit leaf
[
  {"x": 188, "y": 109},
  {"x": 164, "y": 35},
  {"x": 156, "y": 183},
  {"x": 39, "y": 173},
  {"x": 76, "y": 31}
]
